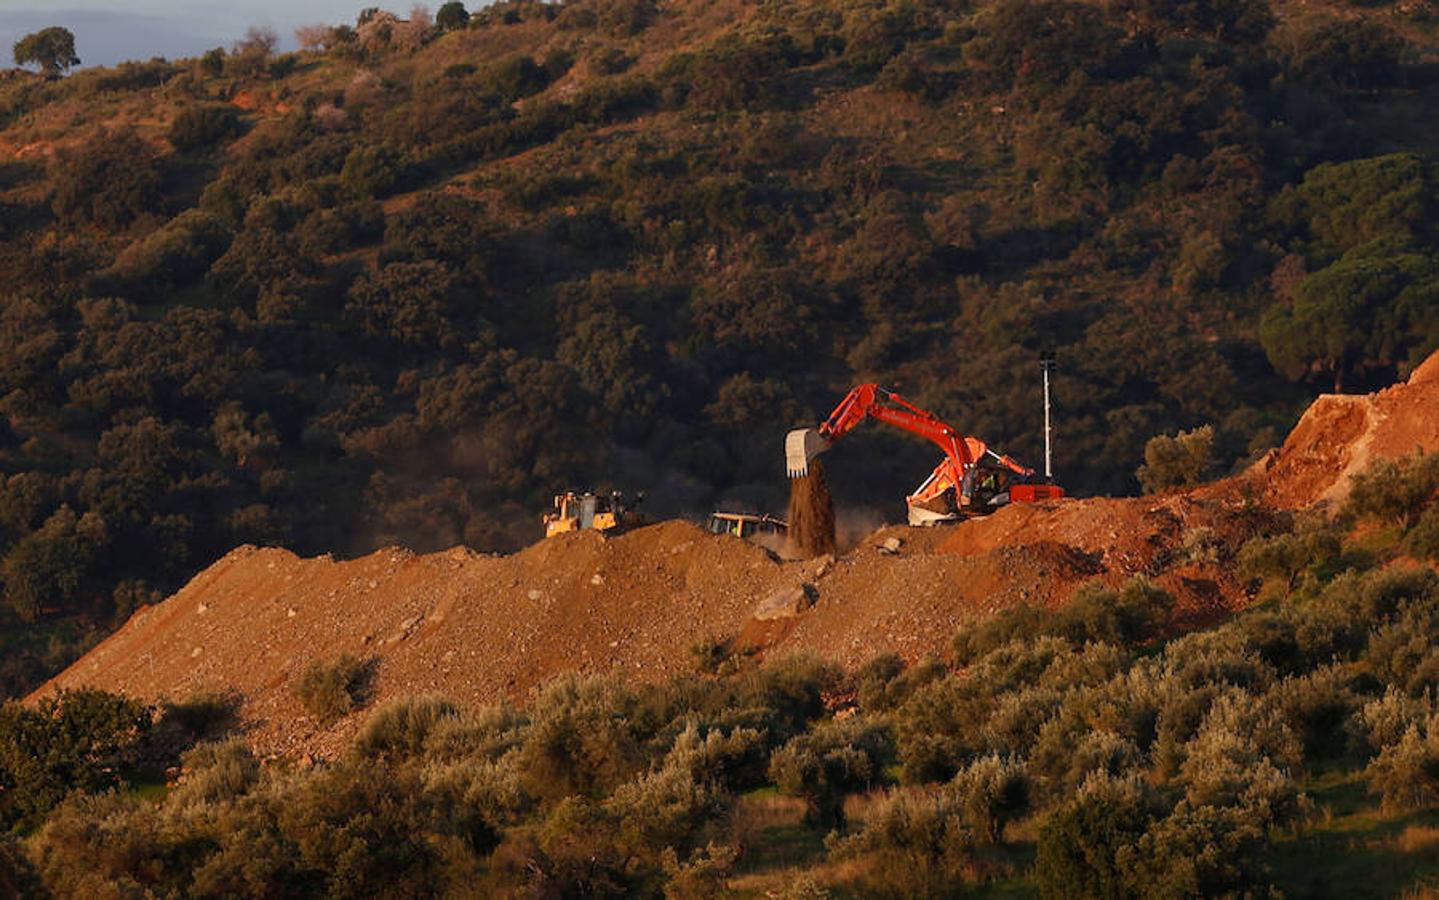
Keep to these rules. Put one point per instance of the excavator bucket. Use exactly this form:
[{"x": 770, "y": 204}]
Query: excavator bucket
[{"x": 801, "y": 446}]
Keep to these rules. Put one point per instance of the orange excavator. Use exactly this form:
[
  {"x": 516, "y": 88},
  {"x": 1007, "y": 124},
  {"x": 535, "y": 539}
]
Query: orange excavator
[{"x": 970, "y": 480}]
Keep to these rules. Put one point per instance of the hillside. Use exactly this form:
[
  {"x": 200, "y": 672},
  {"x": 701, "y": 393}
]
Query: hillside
[
  {"x": 402, "y": 286},
  {"x": 479, "y": 628}
]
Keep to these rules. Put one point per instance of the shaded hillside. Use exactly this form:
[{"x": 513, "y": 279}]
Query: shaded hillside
[{"x": 403, "y": 287}]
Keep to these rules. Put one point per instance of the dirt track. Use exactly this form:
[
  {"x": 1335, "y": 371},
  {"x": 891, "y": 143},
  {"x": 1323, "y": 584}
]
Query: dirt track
[{"x": 477, "y": 627}]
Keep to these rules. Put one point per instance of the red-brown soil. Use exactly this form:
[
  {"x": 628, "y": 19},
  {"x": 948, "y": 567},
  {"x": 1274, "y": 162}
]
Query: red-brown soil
[
  {"x": 479, "y": 628},
  {"x": 1340, "y": 435}
]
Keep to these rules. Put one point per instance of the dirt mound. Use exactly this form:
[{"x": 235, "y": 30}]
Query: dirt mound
[
  {"x": 479, "y": 628},
  {"x": 1340, "y": 435}
]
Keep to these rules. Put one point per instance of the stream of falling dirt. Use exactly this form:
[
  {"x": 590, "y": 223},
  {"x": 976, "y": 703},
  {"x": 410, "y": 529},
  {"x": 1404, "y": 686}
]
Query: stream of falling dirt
[{"x": 811, "y": 514}]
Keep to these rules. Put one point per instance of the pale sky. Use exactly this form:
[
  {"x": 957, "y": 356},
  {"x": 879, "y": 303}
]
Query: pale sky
[{"x": 110, "y": 31}]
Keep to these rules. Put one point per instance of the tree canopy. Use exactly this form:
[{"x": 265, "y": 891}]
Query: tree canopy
[{"x": 52, "y": 49}]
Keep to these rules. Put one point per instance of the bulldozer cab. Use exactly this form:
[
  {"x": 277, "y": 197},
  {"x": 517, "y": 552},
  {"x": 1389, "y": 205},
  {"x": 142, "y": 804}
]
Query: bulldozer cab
[
  {"x": 575, "y": 511},
  {"x": 746, "y": 525}
]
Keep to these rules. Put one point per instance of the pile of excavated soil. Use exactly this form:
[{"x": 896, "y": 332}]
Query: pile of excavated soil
[
  {"x": 1340, "y": 435},
  {"x": 481, "y": 628}
]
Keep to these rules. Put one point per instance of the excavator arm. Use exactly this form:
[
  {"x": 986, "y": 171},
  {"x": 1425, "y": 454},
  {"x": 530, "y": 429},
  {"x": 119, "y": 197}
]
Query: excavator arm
[
  {"x": 870, "y": 401},
  {"x": 963, "y": 455}
]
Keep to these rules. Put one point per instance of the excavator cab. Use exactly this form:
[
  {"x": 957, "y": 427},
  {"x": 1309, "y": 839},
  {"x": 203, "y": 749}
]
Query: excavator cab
[
  {"x": 988, "y": 487},
  {"x": 985, "y": 489}
]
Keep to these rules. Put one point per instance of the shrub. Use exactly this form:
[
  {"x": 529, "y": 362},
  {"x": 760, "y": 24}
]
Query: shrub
[
  {"x": 1081, "y": 845},
  {"x": 1350, "y": 54},
  {"x": 829, "y": 762},
  {"x": 452, "y": 16},
  {"x": 1010, "y": 624},
  {"x": 1398, "y": 651},
  {"x": 917, "y": 842},
  {"x": 17, "y": 876},
  {"x": 1406, "y": 774},
  {"x": 791, "y": 691},
  {"x": 581, "y": 741},
  {"x": 1180, "y": 461},
  {"x": 665, "y": 809},
  {"x": 734, "y": 760},
  {"x": 110, "y": 180},
  {"x": 403, "y": 726},
  {"x": 201, "y": 715},
  {"x": 1423, "y": 539},
  {"x": 884, "y": 683},
  {"x": 515, "y": 78},
  {"x": 1397, "y": 491},
  {"x": 75, "y": 741},
  {"x": 709, "y": 654},
  {"x": 1199, "y": 851},
  {"x": 1289, "y": 556},
  {"x": 941, "y": 727},
  {"x": 1384, "y": 720},
  {"x": 202, "y": 127},
  {"x": 217, "y": 773},
  {"x": 991, "y": 792},
  {"x": 1130, "y": 616},
  {"x": 330, "y": 690},
  {"x": 704, "y": 875},
  {"x": 371, "y": 172}
]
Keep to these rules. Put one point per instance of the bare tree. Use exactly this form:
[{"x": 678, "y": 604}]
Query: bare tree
[
  {"x": 412, "y": 34},
  {"x": 259, "y": 40},
  {"x": 313, "y": 37},
  {"x": 376, "y": 29}
]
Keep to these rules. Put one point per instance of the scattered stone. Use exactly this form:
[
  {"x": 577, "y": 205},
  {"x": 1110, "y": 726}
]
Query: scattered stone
[
  {"x": 597, "y": 579},
  {"x": 891, "y": 546},
  {"x": 786, "y": 603},
  {"x": 822, "y": 566},
  {"x": 202, "y": 609},
  {"x": 290, "y": 612},
  {"x": 535, "y": 594},
  {"x": 194, "y": 654}
]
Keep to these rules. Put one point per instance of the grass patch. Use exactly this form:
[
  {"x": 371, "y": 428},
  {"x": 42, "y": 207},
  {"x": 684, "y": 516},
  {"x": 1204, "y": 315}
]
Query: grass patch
[{"x": 1355, "y": 849}]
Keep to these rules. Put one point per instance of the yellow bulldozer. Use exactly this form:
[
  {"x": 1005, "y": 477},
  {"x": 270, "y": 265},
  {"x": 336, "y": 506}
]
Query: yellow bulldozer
[{"x": 606, "y": 512}]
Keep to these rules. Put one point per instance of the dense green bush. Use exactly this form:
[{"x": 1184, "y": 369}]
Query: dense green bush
[
  {"x": 74, "y": 741},
  {"x": 202, "y": 127},
  {"x": 1289, "y": 556},
  {"x": 1180, "y": 461},
  {"x": 109, "y": 180},
  {"x": 831, "y": 761},
  {"x": 1397, "y": 491},
  {"x": 1082, "y": 845}
]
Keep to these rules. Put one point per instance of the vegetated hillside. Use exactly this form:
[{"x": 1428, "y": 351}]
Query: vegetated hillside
[
  {"x": 480, "y": 628},
  {"x": 403, "y": 286}
]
